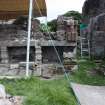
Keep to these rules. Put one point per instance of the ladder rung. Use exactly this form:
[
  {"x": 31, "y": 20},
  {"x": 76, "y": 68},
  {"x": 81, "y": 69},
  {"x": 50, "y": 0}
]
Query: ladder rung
[
  {"x": 85, "y": 51},
  {"x": 84, "y": 48},
  {"x": 83, "y": 38},
  {"x": 84, "y": 44}
]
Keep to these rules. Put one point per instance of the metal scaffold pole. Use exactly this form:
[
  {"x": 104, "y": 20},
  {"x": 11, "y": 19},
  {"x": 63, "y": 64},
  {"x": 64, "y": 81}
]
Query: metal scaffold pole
[{"x": 28, "y": 38}]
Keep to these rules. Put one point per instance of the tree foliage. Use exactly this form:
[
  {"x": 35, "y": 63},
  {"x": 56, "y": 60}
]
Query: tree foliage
[
  {"x": 75, "y": 14},
  {"x": 44, "y": 28},
  {"x": 53, "y": 25}
]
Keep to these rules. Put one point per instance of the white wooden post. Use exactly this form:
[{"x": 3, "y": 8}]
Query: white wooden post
[{"x": 28, "y": 38}]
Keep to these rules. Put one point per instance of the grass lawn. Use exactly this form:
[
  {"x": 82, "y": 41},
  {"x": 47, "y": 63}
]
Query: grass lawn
[{"x": 52, "y": 92}]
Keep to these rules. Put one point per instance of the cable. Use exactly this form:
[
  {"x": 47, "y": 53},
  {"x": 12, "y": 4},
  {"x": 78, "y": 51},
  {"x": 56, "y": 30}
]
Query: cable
[{"x": 66, "y": 75}]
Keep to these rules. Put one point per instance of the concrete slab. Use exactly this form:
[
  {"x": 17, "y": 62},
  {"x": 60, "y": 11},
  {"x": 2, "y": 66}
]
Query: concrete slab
[{"x": 89, "y": 95}]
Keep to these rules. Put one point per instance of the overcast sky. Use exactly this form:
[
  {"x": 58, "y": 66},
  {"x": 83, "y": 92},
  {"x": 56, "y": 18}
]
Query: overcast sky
[{"x": 59, "y": 7}]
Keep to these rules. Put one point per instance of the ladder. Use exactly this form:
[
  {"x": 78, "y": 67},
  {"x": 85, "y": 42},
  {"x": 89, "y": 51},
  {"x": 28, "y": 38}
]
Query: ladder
[{"x": 85, "y": 47}]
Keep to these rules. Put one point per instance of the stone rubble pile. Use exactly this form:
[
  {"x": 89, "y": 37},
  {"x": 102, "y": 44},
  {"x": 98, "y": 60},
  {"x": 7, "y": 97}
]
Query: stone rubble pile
[{"x": 8, "y": 99}]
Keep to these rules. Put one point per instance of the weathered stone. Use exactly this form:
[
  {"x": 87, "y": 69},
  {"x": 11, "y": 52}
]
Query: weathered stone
[
  {"x": 75, "y": 68},
  {"x": 47, "y": 70},
  {"x": 61, "y": 35},
  {"x": 14, "y": 66},
  {"x": 38, "y": 60},
  {"x": 4, "y": 54},
  {"x": 66, "y": 28},
  {"x": 68, "y": 55}
]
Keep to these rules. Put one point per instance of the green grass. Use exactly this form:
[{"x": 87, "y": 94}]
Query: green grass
[
  {"x": 41, "y": 92},
  {"x": 52, "y": 92},
  {"x": 84, "y": 78}
]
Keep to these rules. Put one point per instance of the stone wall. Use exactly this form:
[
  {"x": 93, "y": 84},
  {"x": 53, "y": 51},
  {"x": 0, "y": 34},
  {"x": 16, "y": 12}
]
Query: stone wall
[
  {"x": 18, "y": 30},
  {"x": 67, "y": 28},
  {"x": 13, "y": 42}
]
